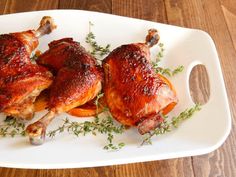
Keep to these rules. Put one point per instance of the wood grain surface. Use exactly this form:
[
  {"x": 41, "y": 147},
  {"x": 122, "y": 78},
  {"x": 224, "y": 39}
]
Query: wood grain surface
[{"x": 218, "y": 18}]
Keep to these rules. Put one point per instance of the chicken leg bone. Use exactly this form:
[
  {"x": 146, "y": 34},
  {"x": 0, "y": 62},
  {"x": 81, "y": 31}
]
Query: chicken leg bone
[
  {"x": 152, "y": 38},
  {"x": 47, "y": 25},
  {"x": 37, "y": 130}
]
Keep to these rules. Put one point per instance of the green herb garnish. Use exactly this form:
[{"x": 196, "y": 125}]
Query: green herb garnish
[
  {"x": 160, "y": 54},
  {"x": 97, "y": 50},
  {"x": 99, "y": 125},
  {"x": 104, "y": 126},
  {"x": 168, "y": 124},
  {"x": 12, "y": 127},
  {"x": 34, "y": 57},
  {"x": 164, "y": 71},
  {"x": 96, "y": 102},
  {"x": 168, "y": 71}
]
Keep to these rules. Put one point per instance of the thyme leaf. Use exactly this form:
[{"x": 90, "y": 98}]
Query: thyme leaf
[
  {"x": 103, "y": 126},
  {"x": 12, "y": 127},
  {"x": 96, "y": 102},
  {"x": 97, "y": 50},
  {"x": 164, "y": 71},
  {"x": 98, "y": 125},
  {"x": 160, "y": 54},
  {"x": 168, "y": 124},
  {"x": 168, "y": 71}
]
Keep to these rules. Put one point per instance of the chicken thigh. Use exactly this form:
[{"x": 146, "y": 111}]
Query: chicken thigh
[
  {"x": 21, "y": 81},
  {"x": 78, "y": 79},
  {"x": 135, "y": 94}
]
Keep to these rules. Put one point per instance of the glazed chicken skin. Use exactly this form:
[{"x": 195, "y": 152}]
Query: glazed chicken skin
[
  {"x": 78, "y": 80},
  {"x": 21, "y": 81},
  {"x": 135, "y": 94}
]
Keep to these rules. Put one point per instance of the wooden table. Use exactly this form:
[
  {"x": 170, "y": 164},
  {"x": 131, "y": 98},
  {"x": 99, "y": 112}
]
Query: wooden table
[{"x": 218, "y": 18}]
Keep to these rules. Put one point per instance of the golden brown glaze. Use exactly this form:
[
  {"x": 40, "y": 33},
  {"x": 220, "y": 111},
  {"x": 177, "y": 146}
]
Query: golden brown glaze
[
  {"x": 62, "y": 52},
  {"x": 20, "y": 80},
  {"x": 28, "y": 39},
  {"x": 133, "y": 91},
  {"x": 77, "y": 80}
]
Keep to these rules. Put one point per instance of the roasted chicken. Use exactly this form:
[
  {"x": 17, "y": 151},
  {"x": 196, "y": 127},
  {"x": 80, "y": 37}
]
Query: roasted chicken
[
  {"x": 135, "y": 94},
  {"x": 21, "y": 81},
  {"x": 78, "y": 80}
]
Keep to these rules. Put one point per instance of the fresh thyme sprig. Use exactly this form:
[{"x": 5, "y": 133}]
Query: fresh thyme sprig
[
  {"x": 167, "y": 125},
  {"x": 97, "y": 103},
  {"x": 33, "y": 57},
  {"x": 110, "y": 137},
  {"x": 164, "y": 71},
  {"x": 99, "y": 125},
  {"x": 103, "y": 126},
  {"x": 12, "y": 127},
  {"x": 160, "y": 54},
  {"x": 97, "y": 50},
  {"x": 168, "y": 71},
  {"x": 110, "y": 145}
]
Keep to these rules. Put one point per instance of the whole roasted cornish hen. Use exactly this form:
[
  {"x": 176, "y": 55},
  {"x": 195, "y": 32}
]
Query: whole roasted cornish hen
[
  {"x": 78, "y": 80},
  {"x": 21, "y": 81},
  {"x": 135, "y": 94}
]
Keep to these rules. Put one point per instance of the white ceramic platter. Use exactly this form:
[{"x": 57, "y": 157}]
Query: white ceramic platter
[{"x": 201, "y": 134}]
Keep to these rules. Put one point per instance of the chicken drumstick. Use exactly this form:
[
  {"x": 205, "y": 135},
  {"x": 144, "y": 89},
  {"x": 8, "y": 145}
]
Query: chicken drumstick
[
  {"x": 21, "y": 81},
  {"x": 78, "y": 80},
  {"x": 135, "y": 94}
]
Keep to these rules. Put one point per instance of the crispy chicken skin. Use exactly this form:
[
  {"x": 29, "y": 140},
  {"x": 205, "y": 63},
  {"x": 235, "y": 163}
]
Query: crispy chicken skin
[
  {"x": 62, "y": 52},
  {"x": 135, "y": 94},
  {"x": 78, "y": 80},
  {"x": 21, "y": 81},
  {"x": 78, "y": 77}
]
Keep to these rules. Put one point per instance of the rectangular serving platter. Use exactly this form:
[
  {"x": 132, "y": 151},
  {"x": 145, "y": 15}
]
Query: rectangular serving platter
[{"x": 201, "y": 134}]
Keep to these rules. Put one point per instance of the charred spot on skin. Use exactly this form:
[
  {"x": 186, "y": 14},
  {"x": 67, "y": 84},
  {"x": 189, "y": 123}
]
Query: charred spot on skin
[
  {"x": 8, "y": 118},
  {"x": 143, "y": 60},
  {"x": 2, "y": 91},
  {"x": 9, "y": 79},
  {"x": 86, "y": 66},
  {"x": 133, "y": 78},
  {"x": 13, "y": 44},
  {"x": 34, "y": 131},
  {"x": 127, "y": 113},
  {"x": 127, "y": 98},
  {"x": 147, "y": 91}
]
